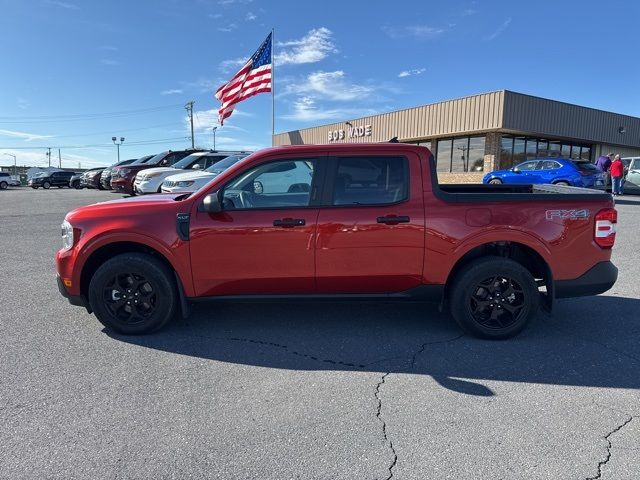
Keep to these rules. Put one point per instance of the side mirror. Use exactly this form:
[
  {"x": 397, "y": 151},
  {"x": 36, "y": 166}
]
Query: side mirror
[
  {"x": 212, "y": 203},
  {"x": 515, "y": 170},
  {"x": 196, "y": 167}
]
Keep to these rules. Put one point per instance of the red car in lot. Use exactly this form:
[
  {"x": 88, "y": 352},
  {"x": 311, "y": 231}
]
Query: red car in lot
[
  {"x": 122, "y": 177},
  {"x": 340, "y": 221}
]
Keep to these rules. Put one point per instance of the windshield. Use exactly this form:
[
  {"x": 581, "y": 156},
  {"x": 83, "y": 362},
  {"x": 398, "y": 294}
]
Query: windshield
[
  {"x": 187, "y": 161},
  {"x": 146, "y": 159},
  {"x": 40, "y": 174},
  {"x": 222, "y": 165}
]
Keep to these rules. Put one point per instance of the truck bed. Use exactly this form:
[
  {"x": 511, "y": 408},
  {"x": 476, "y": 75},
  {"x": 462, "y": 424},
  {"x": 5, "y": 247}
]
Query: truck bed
[{"x": 460, "y": 193}]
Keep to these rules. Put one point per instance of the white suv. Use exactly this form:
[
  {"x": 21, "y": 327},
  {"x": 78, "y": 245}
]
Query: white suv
[
  {"x": 192, "y": 181},
  {"x": 149, "y": 180}
]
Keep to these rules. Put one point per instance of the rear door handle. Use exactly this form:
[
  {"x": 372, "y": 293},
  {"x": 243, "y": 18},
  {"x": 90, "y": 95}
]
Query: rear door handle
[
  {"x": 289, "y": 222},
  {"x": 394, "y": 219}
]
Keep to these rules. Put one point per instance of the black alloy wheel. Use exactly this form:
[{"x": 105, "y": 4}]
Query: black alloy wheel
[
  {"x": 133, "y": 293},
  {"x": 493, "y": 297}
]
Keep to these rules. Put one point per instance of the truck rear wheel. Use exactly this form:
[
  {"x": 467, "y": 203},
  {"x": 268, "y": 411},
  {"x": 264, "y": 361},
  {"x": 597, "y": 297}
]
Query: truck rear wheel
[
  {"x": 494, "y": 298},
  {"x": 133, "y": 293}
]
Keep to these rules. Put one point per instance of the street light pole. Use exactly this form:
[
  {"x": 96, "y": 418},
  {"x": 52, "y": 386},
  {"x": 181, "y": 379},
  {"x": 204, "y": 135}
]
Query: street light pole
[
  {"x": 114, "y": 140},
  {"x": 15, "y": 165},
  {"x": 214, "y": 138}
]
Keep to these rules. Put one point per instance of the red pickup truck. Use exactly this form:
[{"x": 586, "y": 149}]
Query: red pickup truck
[{"x": 340, "y": 221}]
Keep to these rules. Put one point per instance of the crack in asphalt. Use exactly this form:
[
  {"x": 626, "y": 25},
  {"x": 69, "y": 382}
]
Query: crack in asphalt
[
  {"x": 299, "y": 354},
  {"x": 384, "y": 426},
  {"x": 602, "y": 463}
]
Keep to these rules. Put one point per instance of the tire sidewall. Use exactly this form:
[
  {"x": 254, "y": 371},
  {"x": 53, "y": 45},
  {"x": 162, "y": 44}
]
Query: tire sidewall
[
  {"x": 46, "y": 185},
  {"x": 495, "y": 181},
  {"x": 4, "y": 185},
  {"x": 479, "y": 270},
  {"x": 155, "y": 272}
]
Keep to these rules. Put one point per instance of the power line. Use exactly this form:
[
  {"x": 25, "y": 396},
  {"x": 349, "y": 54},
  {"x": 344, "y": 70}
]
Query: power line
[
  {"x": 110, "y": 131},
  {"x": 84, "y": 116},
  {"x": 96, "y": 145}
]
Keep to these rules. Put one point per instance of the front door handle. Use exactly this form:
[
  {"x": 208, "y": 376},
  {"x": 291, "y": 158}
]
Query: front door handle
[
  {"x": 394, "y": 219},
  {"x": 289, "y": 222}
]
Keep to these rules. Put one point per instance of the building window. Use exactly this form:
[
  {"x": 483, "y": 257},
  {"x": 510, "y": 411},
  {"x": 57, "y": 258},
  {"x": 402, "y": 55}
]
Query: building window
[
  {"x": 461, "y": 154},
  {"x": 443, "y": 158},
  {"x": 518, "y": 149}
]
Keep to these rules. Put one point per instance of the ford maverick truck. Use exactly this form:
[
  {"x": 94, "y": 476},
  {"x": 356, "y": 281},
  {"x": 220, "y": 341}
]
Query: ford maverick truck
[{"x": 340, "y": 221}]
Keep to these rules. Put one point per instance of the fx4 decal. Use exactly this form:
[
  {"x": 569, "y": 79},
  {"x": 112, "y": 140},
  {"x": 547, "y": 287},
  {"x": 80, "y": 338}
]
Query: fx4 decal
[{"x": 582, "y": 214}]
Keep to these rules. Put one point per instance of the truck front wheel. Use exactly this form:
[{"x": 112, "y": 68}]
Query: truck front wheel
[
  {"x": 494, "y": 297},
  {"x": 133, "y": 293}
]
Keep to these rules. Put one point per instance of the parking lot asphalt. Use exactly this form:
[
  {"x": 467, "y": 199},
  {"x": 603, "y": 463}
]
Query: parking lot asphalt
[{"x": 308, "y": 390}]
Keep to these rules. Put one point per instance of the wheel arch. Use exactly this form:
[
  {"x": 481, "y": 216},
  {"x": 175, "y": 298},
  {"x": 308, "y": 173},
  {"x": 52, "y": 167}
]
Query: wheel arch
[
  {"x": 110, "y": 249},
  {"x": 524, "y": 254}
]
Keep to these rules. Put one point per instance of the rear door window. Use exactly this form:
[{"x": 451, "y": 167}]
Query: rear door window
[{"x": 370, "y": 180}]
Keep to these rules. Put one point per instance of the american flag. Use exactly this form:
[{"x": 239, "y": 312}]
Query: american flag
[{"x": 253, "y": 78}]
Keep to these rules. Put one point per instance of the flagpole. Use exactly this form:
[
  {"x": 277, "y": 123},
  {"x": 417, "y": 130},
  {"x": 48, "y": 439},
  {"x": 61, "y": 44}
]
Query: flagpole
[{"x": 273, "y": 88}]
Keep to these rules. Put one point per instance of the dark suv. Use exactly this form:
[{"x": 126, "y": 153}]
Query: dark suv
[
  {"x": 122, "y": 177},
  {"x": 51, "y": 179}
]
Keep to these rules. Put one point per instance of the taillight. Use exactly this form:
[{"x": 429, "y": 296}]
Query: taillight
[{"x": 605, "y": 229}]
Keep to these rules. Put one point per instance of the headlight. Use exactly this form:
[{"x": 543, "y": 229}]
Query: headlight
[
  {"x": 184, "y": 184},
  {"x": 67, "y": 235},
  {"x": 123, "y": 172},
  {"x": 151, "y": 175}
]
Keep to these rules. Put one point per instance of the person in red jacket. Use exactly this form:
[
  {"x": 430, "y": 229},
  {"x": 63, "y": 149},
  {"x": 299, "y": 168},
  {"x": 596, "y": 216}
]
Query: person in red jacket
[{"x": 617, "y": 172}]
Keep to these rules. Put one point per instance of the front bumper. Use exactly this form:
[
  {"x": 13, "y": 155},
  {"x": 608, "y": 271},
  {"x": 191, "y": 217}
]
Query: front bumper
[
  {"x": 598, "y": 279},
  {"x": 122, "y": 185},
  {"x": 77, "y": 300},
  {"x": 146, "y": 186}
]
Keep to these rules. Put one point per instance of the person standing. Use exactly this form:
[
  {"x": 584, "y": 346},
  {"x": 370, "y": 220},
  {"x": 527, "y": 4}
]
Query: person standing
[
  {"x": 617, "y": 172},
  {"x": 604, "y": 164}
]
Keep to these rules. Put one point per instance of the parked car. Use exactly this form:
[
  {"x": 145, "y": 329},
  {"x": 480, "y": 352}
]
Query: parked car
[
  {"x": 47, "y": 180},
  {"x": 115, "y": 171},
  {"x": 74, "y": 181},
  {"x": 558, "y": 171},
  {"x": 492, "y": 253},
  {"x": 194, "y": 180},
  {"x": 150, "y": 180},
  {"x": 123, "y": 182},
  {"x": 7, "y": 180},
  {"x": 91, "y": 178},
  {"x": 105, "y": 177},
  {"x": 632, "y": 176}
]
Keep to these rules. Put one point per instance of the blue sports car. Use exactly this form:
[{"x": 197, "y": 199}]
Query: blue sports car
[{"x": 559, "y": 171}]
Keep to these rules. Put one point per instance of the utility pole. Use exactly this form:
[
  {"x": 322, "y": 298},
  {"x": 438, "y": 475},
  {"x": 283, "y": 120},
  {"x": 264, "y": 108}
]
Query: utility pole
[
  {"x": 189, "y": 108},
  {"x": 49, "y": 155},
  {"x": 59, "y": 159}
]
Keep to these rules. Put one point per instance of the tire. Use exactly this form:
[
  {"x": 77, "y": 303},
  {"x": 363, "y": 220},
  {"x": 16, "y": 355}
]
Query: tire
[
  {"x": 565, "y": 184},
  {"x": 3, "y": 185},
  {"x": 60, "y": 186},
  {"x": 35, "y": 188},
  {"x": 479, "y": 304},
  {"x": 149, "y": 278},
  {"x": 46, "y": 185},
  {"x": 495, "y": 181}
]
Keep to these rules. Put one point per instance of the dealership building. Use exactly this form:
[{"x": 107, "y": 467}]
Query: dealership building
[{"x": 473, "y": 135}]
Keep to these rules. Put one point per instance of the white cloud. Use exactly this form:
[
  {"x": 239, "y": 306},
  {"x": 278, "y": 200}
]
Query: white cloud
[
  {"x": 27, "y": 137},
  {"x": 37, "y": 158},
  {"x": 251, "y": 16},
  {"x": 329, "y": 86},
  {"x": 316, "y": 45},
  {"x": 407, "y": 73},
  {"x": 305, "y": 110},
  {"x": 171, "y": 91},
  {"x": 417, "y": 31},
  {"x": 23, "y": 103},
  {"x": 215, "y": 16},
  {"x": 65, "y": 5},
  {"x": 236, "y": 63},
  {"x": 499, "y": 30},
  {"x": 229, "y": 28},
  {"x": 108, "y": 62}
]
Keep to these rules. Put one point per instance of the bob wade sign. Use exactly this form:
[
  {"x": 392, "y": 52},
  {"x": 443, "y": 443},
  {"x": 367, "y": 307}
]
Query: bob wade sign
[{"x": 352, "y": 132}]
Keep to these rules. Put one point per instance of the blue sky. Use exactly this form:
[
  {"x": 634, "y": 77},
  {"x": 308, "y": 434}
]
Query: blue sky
[{"x": 76, "y": 72}]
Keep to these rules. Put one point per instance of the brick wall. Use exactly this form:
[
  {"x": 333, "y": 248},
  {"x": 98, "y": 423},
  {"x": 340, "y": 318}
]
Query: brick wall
[{"x": 469, "y": 177}]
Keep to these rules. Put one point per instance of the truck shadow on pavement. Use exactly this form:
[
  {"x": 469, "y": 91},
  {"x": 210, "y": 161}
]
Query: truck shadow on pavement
[{"x": 591, "y": 342}]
